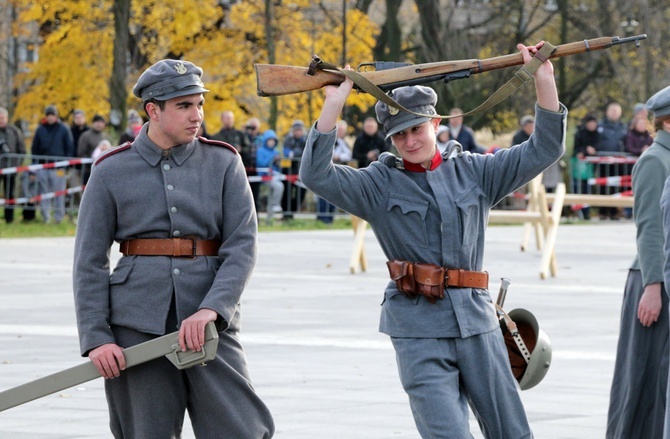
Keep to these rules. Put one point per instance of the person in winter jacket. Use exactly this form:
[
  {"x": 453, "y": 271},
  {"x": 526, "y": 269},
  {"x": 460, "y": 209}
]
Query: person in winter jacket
[
  {"x": 442, "y": 138},
  {"x": 639, "y": 138},
  {"x": 267, "y": 158},
  {"x": 53, "y": 140}
]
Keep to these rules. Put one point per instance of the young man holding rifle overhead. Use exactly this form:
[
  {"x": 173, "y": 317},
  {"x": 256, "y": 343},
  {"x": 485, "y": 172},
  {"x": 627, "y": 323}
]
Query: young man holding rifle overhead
[{"x": 427, "y": 210}]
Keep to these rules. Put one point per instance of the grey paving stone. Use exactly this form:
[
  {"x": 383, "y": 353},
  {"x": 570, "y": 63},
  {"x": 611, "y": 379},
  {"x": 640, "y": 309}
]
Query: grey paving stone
[{"x": 310, "y": 333}]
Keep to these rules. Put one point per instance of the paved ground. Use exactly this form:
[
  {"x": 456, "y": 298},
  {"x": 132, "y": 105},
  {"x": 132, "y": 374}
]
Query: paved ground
[{"x": 310, "y": 331}]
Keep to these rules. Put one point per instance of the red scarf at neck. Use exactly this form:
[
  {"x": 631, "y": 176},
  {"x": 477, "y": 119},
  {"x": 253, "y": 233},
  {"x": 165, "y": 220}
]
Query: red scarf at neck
[{"x": 417, "y": 167}]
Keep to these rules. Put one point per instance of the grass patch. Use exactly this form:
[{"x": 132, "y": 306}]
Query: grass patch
[
  {"x": 38, "y": 228},
  {"x": 279, "y": 225}
]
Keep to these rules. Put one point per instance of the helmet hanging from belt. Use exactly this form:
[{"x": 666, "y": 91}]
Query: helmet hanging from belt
[{"x": 529, "y": 350}]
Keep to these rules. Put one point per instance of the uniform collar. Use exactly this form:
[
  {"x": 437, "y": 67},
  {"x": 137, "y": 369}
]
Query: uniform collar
[
  {"x": 663, "y": 138},
  {"x": 416, "y": 167},
  {"x": 153, "y": 154}
]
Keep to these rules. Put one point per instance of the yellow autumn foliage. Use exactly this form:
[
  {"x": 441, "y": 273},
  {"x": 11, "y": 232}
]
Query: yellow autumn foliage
[{"x": 75, "y": 59}]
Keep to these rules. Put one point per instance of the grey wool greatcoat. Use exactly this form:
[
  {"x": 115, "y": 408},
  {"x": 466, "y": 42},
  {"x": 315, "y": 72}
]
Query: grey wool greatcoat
[
  {"x": 437, "y": 217},
  {"x": 199, "y": 189},
  {"x": 638, "y": 394},
  {"x": 134, "y": 193}
]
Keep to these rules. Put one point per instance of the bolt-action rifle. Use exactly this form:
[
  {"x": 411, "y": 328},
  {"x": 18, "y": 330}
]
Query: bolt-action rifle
[
  {"x": 277, "y": 80},
  {"x": 164, "y": 346}
]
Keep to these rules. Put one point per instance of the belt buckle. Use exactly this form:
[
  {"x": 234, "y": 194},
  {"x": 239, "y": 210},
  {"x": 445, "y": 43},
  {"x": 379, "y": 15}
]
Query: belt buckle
[
  {"x": 177, "y": 247},
  {"x": 457, "y": 278},
  {"x": 446, "y": 276}
]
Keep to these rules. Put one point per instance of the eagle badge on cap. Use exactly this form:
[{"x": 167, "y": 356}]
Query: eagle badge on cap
[
  {"x": 180, "y": 68},
  {"x": 393, "y": 110}
]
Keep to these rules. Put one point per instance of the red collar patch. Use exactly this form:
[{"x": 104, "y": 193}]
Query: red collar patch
[
  {"x": 113, "y": 151},
  {"x": 416, "y": 167},
  {"x": 217, "y": 143}
]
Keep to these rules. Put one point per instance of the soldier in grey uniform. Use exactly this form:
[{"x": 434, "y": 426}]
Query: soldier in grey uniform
[
  {"x": 637, "y": 397},
  {"x": 182, "y": 211},
  {"x": 659, "y": 104},
  {"x": 433, "y": 209}
]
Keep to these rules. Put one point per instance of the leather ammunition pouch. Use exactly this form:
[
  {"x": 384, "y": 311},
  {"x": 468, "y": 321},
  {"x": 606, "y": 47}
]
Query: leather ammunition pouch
[{"x": 429, "y": 280}]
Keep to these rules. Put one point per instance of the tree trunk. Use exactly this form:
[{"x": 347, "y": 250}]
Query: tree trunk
[
  {"x": 389, "y": 43},
  {"x": 269, "y": 38},
  {"x": 117, "y": 84},
  {"x": 432, "y": 45},
  {"x": 561, "y": 67}
]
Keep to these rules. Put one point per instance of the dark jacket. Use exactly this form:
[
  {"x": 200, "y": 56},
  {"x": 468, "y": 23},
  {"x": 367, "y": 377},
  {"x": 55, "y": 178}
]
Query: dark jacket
[
  {"x": 11, "y": 141},
  {"x": 635, "y": 141},
  {"x": 77, "y": 131},
  {"x": 239, "y": 140},
  {"x": 519, "y": 137},
  {"x": 294, "y": 148},
  {"x": 364, "y": 144},
  {"x": 88, "y": 141},
  {"x": 584, "y": 138},
  {"x": 467, "y": 140},
  {"x": 611, "y": 136},
  {"x": 53, "y": 140}
]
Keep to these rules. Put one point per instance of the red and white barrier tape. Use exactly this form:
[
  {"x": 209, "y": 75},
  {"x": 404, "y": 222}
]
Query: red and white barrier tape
[
  {"x": 256, "y": 178},
  {"x": 37, "y": 167},
  {"x": 610, "y": 159},
  {"x": 38, "y": 198},
  {"x": 620, "y": 180}
]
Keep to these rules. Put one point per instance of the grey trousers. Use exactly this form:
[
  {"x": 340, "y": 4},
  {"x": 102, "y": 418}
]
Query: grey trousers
[
  {"x": 638, "y": 394},
  {"x": 442, "y": 376},
  {"x": 150, "y": 400},
  {"x": 52, "y": 180},
  {"x": 276, "y": 192}
]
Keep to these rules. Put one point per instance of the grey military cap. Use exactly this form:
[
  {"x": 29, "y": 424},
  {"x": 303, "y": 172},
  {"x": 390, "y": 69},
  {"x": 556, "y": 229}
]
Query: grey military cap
[
  {"x": 169, "y": 78},
  {"x": 660, "y": 103},
  {"x": 416, "y": 98}
]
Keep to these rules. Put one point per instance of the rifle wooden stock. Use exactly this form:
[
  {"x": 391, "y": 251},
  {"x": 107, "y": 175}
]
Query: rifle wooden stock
[{"x": 278, "y": 80}]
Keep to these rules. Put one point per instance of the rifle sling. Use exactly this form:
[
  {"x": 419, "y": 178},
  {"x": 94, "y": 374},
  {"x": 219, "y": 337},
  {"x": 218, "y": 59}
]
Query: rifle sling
[{"x": 523, "y": 75}]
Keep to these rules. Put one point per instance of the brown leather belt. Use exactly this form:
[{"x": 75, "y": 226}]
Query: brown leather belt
[
  {"x": 175, "y": 247},
  {"x": 455, "y": 277},
  {"x": 429, "y": 280}
]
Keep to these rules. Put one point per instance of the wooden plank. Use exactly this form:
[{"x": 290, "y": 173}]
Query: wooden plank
[
  {"x": 358, "y": 259},
  {"x": 551, "y": 231},
  {"x": 596, "y": 200},
  {"x": 538, "y": 215}
]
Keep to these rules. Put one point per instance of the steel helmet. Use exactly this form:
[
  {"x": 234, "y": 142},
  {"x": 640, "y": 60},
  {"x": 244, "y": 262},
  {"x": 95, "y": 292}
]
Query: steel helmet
[{"x": 530, "y": 373}]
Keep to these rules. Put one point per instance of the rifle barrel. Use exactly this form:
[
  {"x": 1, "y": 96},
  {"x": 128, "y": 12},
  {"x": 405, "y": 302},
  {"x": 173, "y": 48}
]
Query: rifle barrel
[
  {"x": 568, "y": 49},
  {"x": 276, "y": 80}
]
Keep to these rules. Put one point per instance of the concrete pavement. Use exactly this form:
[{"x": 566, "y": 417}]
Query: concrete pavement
[{"x": 310, "y": 333}]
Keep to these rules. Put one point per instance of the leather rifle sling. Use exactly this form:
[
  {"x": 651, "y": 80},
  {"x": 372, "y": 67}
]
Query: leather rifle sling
[{"x": 520, "y": 78}]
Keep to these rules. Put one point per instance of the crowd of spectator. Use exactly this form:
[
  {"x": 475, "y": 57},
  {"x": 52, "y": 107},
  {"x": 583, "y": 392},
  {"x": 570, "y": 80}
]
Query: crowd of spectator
[
  {"x": 272, "y": 161},
  {"x": 609, "y": 136}
]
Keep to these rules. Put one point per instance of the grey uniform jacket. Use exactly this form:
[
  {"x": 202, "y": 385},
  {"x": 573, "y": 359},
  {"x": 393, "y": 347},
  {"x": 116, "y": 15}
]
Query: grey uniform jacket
[
  {"x": 649, "y": 175},
  {"x": 200, "y": 190},
  {"x": 437, "y": 217}
]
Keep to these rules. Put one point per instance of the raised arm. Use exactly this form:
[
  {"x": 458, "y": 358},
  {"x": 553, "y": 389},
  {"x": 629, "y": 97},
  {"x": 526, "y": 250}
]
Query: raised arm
[
  {"x": 336, "y": 96},
  {"x": 545, "y": 83}
]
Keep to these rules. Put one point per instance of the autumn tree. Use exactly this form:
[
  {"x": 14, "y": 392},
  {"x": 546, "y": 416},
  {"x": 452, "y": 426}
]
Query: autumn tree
[
  {"x": 586, "y": 82},
  {"x": 81, "y": 40},
  {"x": 73, "y": 66}
]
